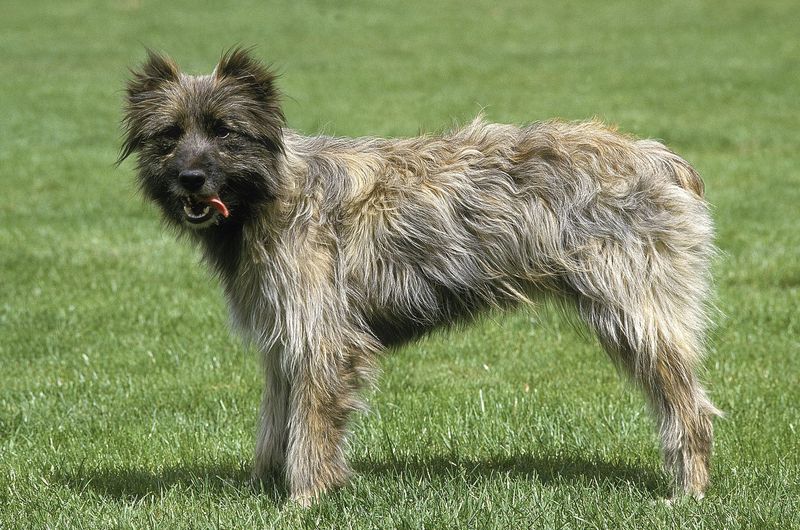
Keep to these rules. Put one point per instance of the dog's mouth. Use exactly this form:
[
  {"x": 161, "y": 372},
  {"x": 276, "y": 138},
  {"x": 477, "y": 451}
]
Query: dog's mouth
[{"x": 199, "y": 211}]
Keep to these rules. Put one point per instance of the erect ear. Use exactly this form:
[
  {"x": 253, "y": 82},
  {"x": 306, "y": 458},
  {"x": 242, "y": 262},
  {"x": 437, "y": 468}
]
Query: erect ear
[
  {"x": 238, "y": 68},
  {"x": 158, "y": 69},
  {"x": 141, "y": 88},
  {"x": 239, "y": 65}
]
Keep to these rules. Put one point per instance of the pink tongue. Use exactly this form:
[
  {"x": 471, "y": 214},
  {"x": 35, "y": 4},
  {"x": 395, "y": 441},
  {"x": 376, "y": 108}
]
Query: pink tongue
[{"x": 219, "y": 205}]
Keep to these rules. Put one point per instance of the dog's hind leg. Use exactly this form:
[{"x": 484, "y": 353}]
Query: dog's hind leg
[
  {"x": 667, "y": 375},
  {"x": 647, "y": 307},
  {"x": 684, "y": 414}
]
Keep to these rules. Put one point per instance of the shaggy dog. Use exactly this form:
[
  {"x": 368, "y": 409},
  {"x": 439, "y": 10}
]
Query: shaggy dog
[{"x": 331, "y": 250}]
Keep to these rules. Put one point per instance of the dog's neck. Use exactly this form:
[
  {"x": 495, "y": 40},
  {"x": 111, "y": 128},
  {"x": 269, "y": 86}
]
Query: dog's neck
[
  {"x": 222, "y": 248},
  {"x": 242, "y": 238}
]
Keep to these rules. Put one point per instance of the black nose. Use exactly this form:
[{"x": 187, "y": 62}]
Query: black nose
[{"x": 192, "y": 179}]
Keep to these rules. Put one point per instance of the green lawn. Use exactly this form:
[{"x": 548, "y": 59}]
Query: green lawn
[{"x": 125, "y": 402}]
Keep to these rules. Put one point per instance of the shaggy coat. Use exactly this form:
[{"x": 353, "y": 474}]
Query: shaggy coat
[{"x": 335, "y": 249}]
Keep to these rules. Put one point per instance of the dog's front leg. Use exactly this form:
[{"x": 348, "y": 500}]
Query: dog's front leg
[
  {"x": 272, "y": 434},
  {"x": 320, "y": 401}
]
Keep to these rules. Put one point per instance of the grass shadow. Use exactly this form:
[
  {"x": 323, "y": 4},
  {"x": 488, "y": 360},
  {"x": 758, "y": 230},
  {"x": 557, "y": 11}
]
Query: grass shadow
[
  {"x": 543, "y": 469},
  {"x": 132, "y": 484}
]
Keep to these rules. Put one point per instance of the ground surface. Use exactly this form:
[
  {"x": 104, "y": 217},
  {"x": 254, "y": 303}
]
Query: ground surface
[{"x": 124, "y": 401}]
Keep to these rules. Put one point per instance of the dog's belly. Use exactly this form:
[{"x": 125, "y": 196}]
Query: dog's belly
[
  {"x": 432, "y": 306},
  {"x": 396, "y": 330}
]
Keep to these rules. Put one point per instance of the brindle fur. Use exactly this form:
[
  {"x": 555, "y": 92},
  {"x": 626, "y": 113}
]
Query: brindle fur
[{"x": 338, "y": 248}]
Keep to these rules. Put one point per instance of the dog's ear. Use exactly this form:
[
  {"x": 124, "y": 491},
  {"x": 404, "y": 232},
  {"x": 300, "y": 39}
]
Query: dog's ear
[
  {"x": 157, "y": 70},
  {"x": 239, "y": 68},
  {"x": 144, "y": 81},
  {"x": 239, "y": 65}
]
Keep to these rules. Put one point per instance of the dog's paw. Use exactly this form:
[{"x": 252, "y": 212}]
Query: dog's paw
[
  {"x": 304, "y": 500},
  {"x": 682, "y": 497}
]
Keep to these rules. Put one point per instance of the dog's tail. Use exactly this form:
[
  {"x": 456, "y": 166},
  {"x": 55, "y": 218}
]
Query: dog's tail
[
  {"x": 686, "y": 176},
  {"x": 682, "y": 173}
]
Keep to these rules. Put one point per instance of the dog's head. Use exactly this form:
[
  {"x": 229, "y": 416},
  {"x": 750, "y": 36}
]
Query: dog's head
[{"x": 207, "y": 146}]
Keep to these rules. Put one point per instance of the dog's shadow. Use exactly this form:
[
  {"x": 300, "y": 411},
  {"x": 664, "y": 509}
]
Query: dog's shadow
[
  {"x": 545, "y": 470},
  {"x": 136, "y": 484},
  {"x": 133, "y": 484}
]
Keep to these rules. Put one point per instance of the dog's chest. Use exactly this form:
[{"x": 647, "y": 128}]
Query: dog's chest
[{"x": 253, "y": 302}]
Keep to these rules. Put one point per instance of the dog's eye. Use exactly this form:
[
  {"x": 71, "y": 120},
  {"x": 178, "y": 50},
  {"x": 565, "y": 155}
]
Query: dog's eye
[
  {"x": 221, "y": 131},
  {"x": 172, "y": 133}
]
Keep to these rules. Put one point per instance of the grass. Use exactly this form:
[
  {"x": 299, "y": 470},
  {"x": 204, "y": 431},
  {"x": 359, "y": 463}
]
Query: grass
[{"x": 125, "y": 402}]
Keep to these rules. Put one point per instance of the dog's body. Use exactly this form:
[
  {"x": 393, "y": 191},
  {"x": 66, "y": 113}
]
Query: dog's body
[{"x": 331, "y": 250}]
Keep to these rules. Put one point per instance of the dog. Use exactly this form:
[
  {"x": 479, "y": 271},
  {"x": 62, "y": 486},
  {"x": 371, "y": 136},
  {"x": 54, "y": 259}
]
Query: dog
[{"x": 333, "y": 250}]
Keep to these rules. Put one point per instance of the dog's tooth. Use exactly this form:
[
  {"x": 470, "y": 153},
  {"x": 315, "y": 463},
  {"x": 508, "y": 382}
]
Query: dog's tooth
[{"x": 188, "y": 209}]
